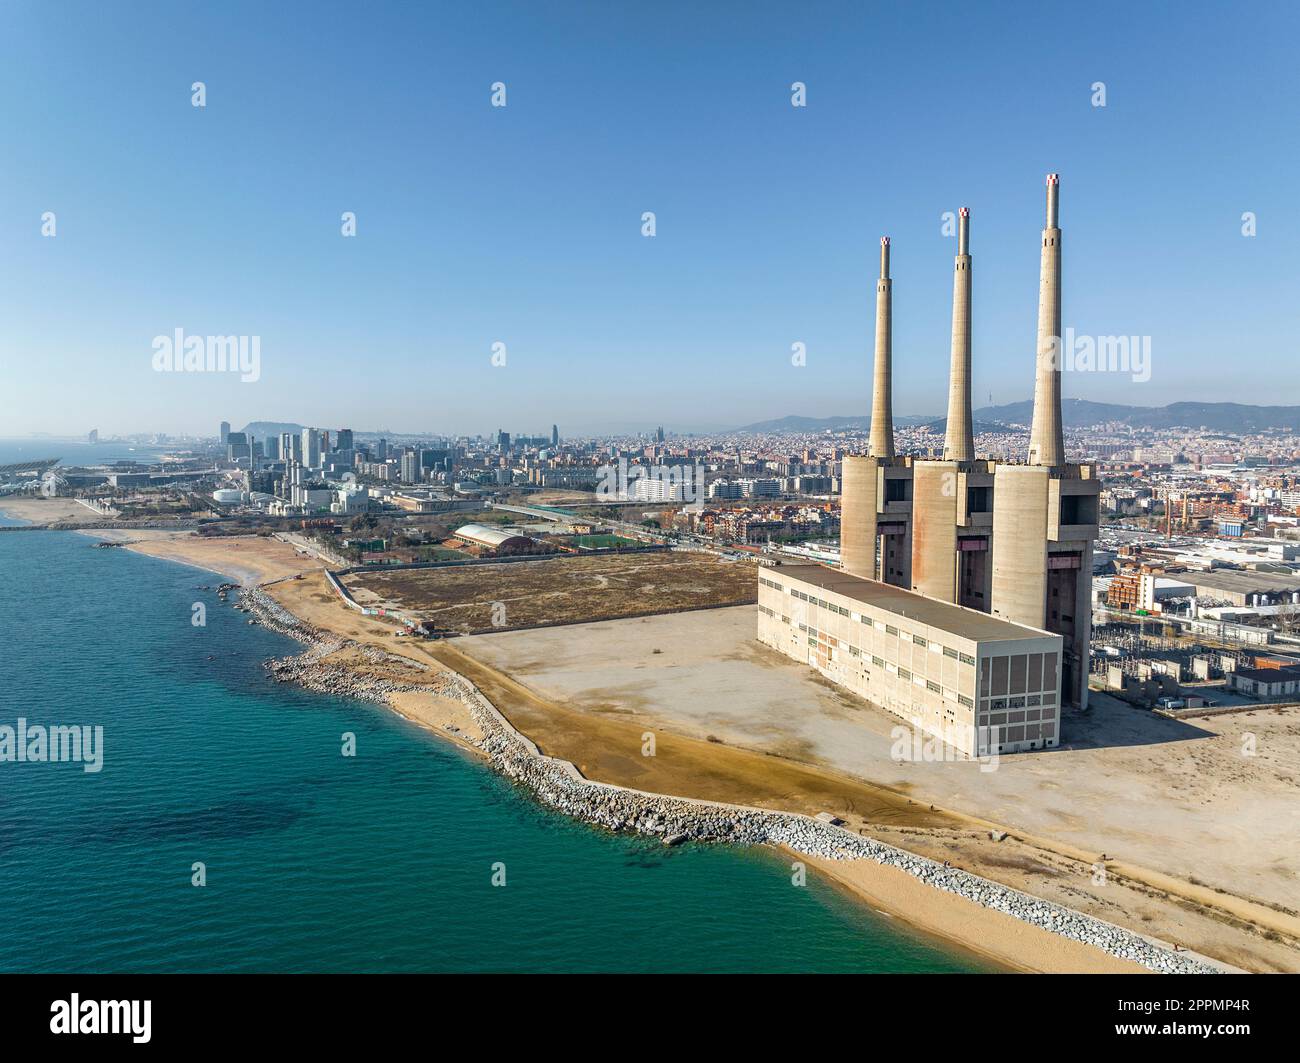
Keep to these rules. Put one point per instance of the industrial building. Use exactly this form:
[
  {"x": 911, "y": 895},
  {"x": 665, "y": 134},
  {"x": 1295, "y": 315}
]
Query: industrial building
[
  {"x": 491, "y": 538},
  {"x": 980, "y": 684},
  {"x": 1011, "y": 540}
]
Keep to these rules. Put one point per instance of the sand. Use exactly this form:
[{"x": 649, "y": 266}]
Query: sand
[
  {"x": 47, "y": 510},
  {"x": 994, "y": 935},
  {"x": 591, "y": 696},
  {"x": 245, "y": 559}
]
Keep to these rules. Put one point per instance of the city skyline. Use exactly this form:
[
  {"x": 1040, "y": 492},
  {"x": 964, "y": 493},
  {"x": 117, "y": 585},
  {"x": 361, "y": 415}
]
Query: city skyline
[{"x": 474, "y": 228}]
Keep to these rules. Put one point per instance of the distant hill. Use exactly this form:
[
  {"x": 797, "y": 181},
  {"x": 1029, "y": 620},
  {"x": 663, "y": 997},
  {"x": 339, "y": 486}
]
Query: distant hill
[
  {"x": 263, "y": 429},
  {"x": 823, "y": 424},
  {"x": 1232, "y": 417},
  {"x": 1216, "y": 416},
  {"x": 979, "y": 427}
]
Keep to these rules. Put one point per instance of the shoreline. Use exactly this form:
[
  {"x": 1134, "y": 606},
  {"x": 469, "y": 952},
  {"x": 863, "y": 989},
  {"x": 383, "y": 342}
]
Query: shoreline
[
  {"x": 1005, "y": 925},
  {"x": 941, "y": 912}
]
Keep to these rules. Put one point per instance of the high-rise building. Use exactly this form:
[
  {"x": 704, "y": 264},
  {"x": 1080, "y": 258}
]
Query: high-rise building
[
  {"x": 225, "y": 432},
  {"x": 555, "y": 435},
  {"x": 238, "y": 448},
  {"x": 343, "y": 440},
  {"x": 411, "y": 466},
  {"x": 311, "y": 448}
]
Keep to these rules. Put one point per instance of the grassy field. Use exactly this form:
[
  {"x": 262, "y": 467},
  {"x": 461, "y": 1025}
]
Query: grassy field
[{"x": 567, "y": 590}]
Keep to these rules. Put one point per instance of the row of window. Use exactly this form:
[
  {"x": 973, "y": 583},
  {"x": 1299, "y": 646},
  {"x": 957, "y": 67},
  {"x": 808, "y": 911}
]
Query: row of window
[
  {"x": 919, "y": 640},
  {"x": 813, "y": 635}
]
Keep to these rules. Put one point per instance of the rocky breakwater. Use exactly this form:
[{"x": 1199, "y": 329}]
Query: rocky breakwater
[{"x": 558, "y": 784}]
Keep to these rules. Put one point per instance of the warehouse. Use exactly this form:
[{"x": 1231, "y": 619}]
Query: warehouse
[
  {"x": 1245, "y": 588},
  {"x": 491, "y": 538},
  {"x": 981, "y": 684}
]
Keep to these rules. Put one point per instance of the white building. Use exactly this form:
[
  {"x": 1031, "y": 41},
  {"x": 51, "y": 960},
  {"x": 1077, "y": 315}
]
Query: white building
[
  {"x": 980, "y": 684},
  {"x": 311, "y": 454}
]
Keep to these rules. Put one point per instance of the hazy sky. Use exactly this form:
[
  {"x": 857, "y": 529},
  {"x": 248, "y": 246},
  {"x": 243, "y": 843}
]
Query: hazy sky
[{"x": 523, "y": 225}]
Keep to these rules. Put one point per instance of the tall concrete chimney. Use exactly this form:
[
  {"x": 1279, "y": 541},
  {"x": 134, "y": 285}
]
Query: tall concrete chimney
[
  {"x": 1046, "y": 443},
  {"x": 882, "y": 402},
  {"x": 959, "y": 439}
]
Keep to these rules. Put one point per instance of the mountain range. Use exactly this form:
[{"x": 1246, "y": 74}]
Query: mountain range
[{"x": 1077, "y": 413}]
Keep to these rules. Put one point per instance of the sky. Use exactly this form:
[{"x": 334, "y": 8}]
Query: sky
[{"x": 523, "y": 225}]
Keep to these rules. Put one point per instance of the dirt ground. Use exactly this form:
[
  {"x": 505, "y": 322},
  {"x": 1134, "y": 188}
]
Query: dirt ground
[
  {"x": 1182, "y": 816},
  {"x": 47, "y": 510},
  {"x": 565, "y": 590}
]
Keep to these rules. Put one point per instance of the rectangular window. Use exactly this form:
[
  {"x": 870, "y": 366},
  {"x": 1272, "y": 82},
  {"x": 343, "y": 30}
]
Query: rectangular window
[
  {"x": 1000, "y": 669},
  {"x": 890, "y": 630},
  {"x": 966, "y": 658},
  {"x": 932, "y": 686},
  {"x": 919, "y": 640},
  {"x": 1018, "y": 673},
  {"x": 950, "y": 652},
  {"x": 903, "y": 673}
]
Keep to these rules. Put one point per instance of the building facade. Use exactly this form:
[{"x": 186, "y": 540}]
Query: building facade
[{"x": 982, "y": 685}]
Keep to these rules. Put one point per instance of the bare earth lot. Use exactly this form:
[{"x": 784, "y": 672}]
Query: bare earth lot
[
  {"x": 569, "y": 590},
  {"x": 47, "y": 510},
  {"x": 1158, "y": 797}
]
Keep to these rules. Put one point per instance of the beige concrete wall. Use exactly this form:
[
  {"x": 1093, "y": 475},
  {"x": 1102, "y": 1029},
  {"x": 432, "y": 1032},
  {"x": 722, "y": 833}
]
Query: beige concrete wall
[
  {"x": 934, "y": 529},
  {"x": 858, "y": 513},
  {"x": 875, "y": 654},
  {"x": 1019, "y": 582}
]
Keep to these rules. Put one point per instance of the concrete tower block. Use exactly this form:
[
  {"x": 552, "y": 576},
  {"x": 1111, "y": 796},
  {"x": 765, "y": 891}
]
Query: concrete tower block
[
  {"x": 934, "y": 529},
  {"x": 1046, "y": 441},
  {"x": 959, "y": 438},
  {"x": 882, "y": 395},
  {"x": 1020, "y": 513},
  {"x": 858, "y": 515}
]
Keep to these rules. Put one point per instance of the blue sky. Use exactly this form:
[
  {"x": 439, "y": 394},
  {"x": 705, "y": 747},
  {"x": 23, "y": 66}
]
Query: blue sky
[{"x": 522, "y": 224}]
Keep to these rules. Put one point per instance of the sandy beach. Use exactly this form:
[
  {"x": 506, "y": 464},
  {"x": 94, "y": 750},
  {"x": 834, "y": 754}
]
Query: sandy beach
[
  {"x": 604, "y": 742},
  {"x": 248, "y": 560}
]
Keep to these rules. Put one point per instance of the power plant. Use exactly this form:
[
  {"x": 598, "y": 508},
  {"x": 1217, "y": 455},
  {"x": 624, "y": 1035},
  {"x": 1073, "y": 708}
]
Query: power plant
[{"x": 1010, "y": 540}]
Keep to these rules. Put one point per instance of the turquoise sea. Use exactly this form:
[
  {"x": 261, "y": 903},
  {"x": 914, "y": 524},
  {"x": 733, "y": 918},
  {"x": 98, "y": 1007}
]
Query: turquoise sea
[{"x": 315, "y": 861}]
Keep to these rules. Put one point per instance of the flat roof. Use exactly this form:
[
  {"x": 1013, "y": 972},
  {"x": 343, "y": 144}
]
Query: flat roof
[
  {"x": 957, "y": 619},
  {"x": 1242, "y": 582}
]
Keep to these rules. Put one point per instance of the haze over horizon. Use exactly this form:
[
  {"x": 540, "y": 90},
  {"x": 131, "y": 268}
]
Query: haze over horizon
[{"x": 475, "y": 226}]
